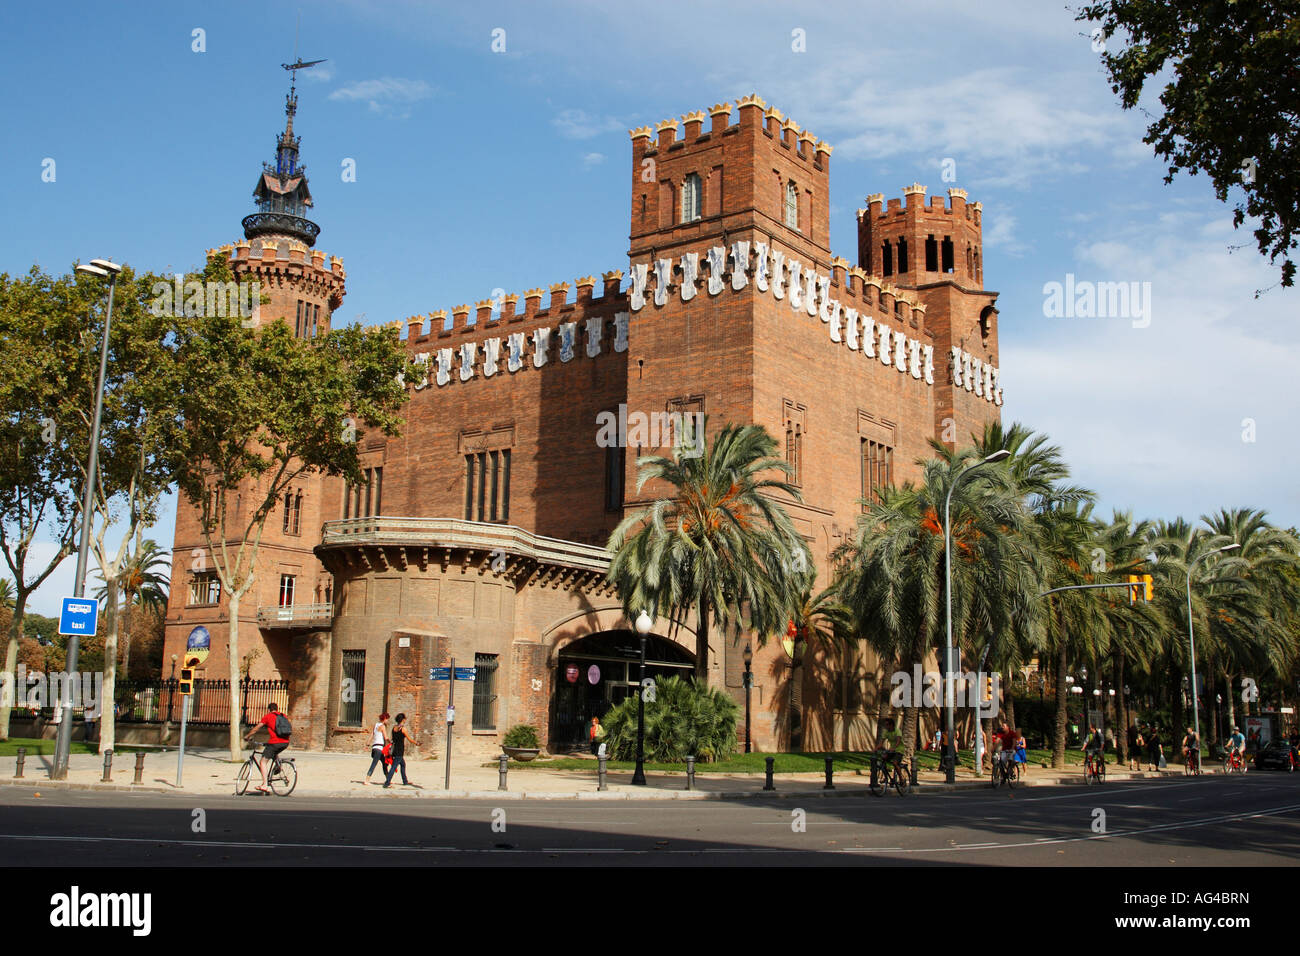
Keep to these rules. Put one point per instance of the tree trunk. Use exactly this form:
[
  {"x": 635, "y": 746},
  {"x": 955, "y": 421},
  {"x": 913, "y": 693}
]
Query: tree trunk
[
  {"x": 10, "y": 678},
  {"x": 702, "y": 645},
  {"x": 1062, "y": 701},
  {"x": 108, "y": 694},
  {"x": 1009, "y": 705},
  {"x": 1121, "y": 719},
  {"x": 1232, "y": 703},
  {"x": 126, "y": 642},
  {"x": 236, "y": 741},
  {"x": 911, "y": 716}
]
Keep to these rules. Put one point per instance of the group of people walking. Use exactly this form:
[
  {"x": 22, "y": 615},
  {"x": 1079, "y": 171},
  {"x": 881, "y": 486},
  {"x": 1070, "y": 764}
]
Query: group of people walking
[{"x": 388, "y": 748}]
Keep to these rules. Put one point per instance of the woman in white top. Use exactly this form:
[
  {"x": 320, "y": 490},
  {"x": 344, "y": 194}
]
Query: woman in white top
[{"x": 378, "y": 739}]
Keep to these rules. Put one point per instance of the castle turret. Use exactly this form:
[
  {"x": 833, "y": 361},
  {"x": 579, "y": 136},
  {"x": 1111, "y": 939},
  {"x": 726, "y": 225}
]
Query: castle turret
[
  {"x": 913, "y": 243},
  {"x": 281, "y": 192}
]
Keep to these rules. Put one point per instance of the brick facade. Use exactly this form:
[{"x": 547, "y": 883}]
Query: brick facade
[{"x": 742, "y": 313}]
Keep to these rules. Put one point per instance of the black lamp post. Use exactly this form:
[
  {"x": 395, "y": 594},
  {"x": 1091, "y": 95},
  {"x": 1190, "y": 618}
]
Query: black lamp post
[
  {"x": 748, "y": 657},
  {"x": 643, "y": 625}
]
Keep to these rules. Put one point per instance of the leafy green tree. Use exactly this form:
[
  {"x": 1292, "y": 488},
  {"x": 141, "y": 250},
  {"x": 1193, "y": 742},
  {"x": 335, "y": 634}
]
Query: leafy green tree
[
  {"x": 716, "y": 542},
  {"x": 1228, "y": 103},
  {"x": 261, "y": 409}
]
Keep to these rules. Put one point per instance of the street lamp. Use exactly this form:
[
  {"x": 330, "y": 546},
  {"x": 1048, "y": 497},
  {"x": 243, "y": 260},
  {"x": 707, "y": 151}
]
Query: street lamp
[
  {"x": 949, "y": 696},
  {"x": 748, "y": 657},
  {"x": 63, "y": 744},
  {"x": 643, "y": 626},
  {"x": 1191, "y": 642}
]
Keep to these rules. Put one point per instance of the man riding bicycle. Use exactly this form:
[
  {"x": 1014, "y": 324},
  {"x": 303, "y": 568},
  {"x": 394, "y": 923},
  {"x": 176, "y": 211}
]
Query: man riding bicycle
[
  {"x": 275, "y": 745},
  {"x": 1094, "y": 745},
  {"x": 1007, "y": 740},
  {"x": 1237, "y": 744},
  {"x": 1192, "y": 747}
]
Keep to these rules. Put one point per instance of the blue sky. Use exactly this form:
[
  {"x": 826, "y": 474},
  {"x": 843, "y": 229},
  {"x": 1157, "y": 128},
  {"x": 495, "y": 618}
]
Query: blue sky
[{"x": 478, "y": 170}]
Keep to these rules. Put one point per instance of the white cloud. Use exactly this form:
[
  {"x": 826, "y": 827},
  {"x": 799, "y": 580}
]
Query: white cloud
[
  {"x": 578, "y": 124},
  {"x": 388, "y": 96},
  {"x": 592, "y": 159}
]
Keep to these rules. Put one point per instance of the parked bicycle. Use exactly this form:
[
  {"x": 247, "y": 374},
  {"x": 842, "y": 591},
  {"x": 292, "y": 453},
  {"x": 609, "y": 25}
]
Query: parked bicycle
[
  {"x": 281, "y": 777},
  {"x": 889, "y": 771},
  {"x": 1094, "y": 769}
]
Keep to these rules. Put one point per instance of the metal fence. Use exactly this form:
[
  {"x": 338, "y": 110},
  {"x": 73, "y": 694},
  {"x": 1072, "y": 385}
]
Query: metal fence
[{"x": 142, "y": 701}]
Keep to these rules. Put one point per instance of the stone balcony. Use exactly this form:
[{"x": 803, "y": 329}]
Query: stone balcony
[{"x": 312, "y": 617}]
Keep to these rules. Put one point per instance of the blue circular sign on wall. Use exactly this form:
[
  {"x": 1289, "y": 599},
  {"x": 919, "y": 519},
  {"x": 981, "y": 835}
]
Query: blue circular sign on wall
[{"x": 197, "y": 645}]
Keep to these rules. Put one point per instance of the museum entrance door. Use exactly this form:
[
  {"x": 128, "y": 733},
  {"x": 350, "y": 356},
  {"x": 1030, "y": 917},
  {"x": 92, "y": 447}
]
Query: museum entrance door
[{"x": 596, "y": 673}]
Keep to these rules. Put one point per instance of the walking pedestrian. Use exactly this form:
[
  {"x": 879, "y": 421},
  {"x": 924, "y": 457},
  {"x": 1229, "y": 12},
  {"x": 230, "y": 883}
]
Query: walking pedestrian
[
  {"x": 378, "y": 742},
  {"x": 597, "y": 733},
  {"x": 400, "y": 736},
  {"x": 1155, "y": 751},
  {"x": 1135, "y": 743}
]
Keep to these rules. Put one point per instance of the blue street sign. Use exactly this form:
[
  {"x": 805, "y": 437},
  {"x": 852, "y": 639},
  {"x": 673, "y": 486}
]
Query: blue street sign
[
  {"x": 78, "y": 616},
  {"x": 465, "y": 673},
  {"x": 439, "y": 673}
]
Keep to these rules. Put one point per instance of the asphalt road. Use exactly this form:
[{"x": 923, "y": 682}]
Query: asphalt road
[{"x": 1211, "y": 821}]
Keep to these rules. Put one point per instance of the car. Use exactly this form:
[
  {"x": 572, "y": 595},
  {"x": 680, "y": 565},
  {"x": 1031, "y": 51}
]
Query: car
[{"x": 1277, "y": 755}]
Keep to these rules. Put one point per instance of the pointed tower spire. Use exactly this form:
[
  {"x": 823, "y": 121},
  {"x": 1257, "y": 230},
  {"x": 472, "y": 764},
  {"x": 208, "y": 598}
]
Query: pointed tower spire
[{"x": 281, "y": 192}]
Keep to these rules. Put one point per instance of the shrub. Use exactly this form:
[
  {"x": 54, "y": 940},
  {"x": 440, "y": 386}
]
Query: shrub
[
  {"x": 684, "y": 719},
  {"x": 523, "y": 736}
]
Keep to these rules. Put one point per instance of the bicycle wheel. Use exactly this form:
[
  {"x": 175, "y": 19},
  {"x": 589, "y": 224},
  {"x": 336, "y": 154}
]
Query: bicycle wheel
[
  {"x": 283, "y": 778},
  {"x": 901, "y": 781},
  {"x": 995, "y": 778},
  {"x": 245, "y": 776},
  {"x": 1011, "y": 772},
  {"x": 1100, "y": 766}
]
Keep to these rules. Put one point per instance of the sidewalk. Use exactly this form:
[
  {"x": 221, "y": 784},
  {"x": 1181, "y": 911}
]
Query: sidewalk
[{"x": 327, "y": 774}]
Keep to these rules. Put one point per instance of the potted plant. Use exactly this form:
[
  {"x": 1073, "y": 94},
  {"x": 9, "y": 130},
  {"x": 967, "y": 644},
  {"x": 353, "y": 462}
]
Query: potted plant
[{"x": 521, "y": 742}]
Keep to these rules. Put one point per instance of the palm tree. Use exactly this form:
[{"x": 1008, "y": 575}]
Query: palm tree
[
  {"x": 821, "y": 619},
  {"x": 893, "y": 582},
  {"x": 717, "y": 543},
  {"x": 6, "y": 594},
  {"x": 142, "y": 584}
]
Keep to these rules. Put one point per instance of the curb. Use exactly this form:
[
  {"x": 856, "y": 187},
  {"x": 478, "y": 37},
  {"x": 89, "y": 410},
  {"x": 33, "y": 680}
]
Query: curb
[{"x": 67, "y": 785}]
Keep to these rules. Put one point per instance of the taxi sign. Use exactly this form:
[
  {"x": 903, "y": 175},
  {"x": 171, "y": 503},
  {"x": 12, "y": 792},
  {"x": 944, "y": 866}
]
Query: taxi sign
[{"x": 78, "y": 616}]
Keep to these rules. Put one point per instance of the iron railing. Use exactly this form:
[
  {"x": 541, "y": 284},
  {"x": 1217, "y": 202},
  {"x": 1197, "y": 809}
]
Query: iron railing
[
  {"x": 280, "y": 222},
  {"x": 151, "y": 701}
]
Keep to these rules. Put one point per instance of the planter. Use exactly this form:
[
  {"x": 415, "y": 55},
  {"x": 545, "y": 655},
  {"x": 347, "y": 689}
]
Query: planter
[{"x": 522, "y": 753}]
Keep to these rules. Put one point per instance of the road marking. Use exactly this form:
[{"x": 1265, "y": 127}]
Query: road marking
[{"x": 973, "y": 846}]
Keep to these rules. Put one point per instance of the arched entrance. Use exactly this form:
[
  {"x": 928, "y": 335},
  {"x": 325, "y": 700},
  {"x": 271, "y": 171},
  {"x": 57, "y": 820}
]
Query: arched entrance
[{"x": 595, "y": 673}]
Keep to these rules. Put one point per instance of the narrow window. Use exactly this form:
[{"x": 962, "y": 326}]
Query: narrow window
[
  {"x": 482, "y": 482},
  {"x": 947, "y": 254},
  {"x": 485, "y": 691},
  {"x": 286, "y": 590},
  {"x": 496, "y": 481},
  {"x": 691, "y": 204},
  {"x": 792, "y": 205},
  {"x": 931, "y": 255},
  {"x": 297, "y": 328},
  {"x": 354, "y": 684},
  {"x": 377, "y": 479},
  {"x": 505, "y": 484},
  {"x": 315, "y": 320},
  {"x": 902, "y": 255},
  {"x": 887, "y": 258},
  {"x": 469, "y": 487},
  {"x": 615, "y": 462}
]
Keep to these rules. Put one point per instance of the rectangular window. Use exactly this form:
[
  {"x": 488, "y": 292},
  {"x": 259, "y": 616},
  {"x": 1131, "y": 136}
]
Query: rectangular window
[
  {"x": 315, "y": 320},
  {"x": 376, "y": 484},
  {"x": 297, "y": 325},
  {"x": 286, "y": 590},
  {"x": 496, "y": 479},
  {"x": 205, "y": 588},
  {"x": 485, "y": 691},
  {"x": 293, "y": 512},
  {"x": 487, "y": 486},
  {"x": 877, "y": 468},
  {"x": 353, "y": 690},
  {"x": 505, "y": 484},
  {"x": 469, "y": 487},
  {"x": 791, "y": 205},
  {"x": 615, "y": 465}
]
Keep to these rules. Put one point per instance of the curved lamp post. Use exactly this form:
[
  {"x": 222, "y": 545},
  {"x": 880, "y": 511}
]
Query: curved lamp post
[
  {"x": 643, "y": 626},
  {"x": 1191, "y": 639},
  {"x": 102, "y": 268},
  {"x": 949, "y": 691}
]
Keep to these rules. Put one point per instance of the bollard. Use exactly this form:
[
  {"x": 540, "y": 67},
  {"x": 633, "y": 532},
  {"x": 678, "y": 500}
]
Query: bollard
[
  {"x": 912, "y": 773},
  {"x": 830, "y": 769},
  {"x": 690, "y": 773},
  {"x": 505, "y": 761},
  {"x": 600, "y": 773},
  {"x": 771, "y": 764},
  {"x": 22, "y": 757},
  {"x": 875, "y": 771},
  {"x": 108, "y": 767},
  {"x": 139, "y": 768}
]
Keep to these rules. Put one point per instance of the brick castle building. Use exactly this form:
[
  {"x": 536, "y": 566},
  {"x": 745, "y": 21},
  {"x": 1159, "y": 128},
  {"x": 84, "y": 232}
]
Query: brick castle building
[{"x": 479, "y": 532}]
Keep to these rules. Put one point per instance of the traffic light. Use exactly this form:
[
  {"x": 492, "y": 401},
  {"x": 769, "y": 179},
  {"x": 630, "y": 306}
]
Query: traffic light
[
  {"x": 988, "y": 687},
  {"x": 1146, "y": 586},
  {"x": 187, "y": 681},
  {"x": 1134, "y": 588}
]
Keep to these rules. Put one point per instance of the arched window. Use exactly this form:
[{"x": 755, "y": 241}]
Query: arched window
[
  {"x": 691, "y": 198},
  {"x": 791, "y": 205}
]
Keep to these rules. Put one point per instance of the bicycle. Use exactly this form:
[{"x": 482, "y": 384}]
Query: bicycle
[
  {"x": 1235, "y": 763},
  {"x": 889, "y": 772},
  {"x": 1005, "y": 770},
  {"x": 1094, "y": 769},
  {"x": 1192, "y": 763},
  {"x": 281, "y": 778}
]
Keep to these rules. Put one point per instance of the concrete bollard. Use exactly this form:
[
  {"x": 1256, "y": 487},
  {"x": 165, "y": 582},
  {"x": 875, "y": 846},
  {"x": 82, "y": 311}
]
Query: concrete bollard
[
  {"x": 830, "y": 770},
  {"x": 108, "y": 767},
  {"x": 502, "y": 767},
  {"x": 912, "y": 773},
  {"x": 600, "y": 773},
  {"x": 22, "y": 758},
  {"x": 139, "y": 768},
  {"x": 771, "y": 769},
  {"x": 690, "y": 773}
]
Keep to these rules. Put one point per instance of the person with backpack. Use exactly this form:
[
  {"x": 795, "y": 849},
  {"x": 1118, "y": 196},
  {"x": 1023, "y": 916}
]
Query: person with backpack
[
  {"x": 278, "y": 730},
  {"x": 378, "y": 745},
  {"x": 399, "y": 738}
]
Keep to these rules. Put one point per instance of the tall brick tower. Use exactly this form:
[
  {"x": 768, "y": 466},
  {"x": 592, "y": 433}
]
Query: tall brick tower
[
  {"x": 936, "y": 250},
  {"x": 285, "y": 617}
]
